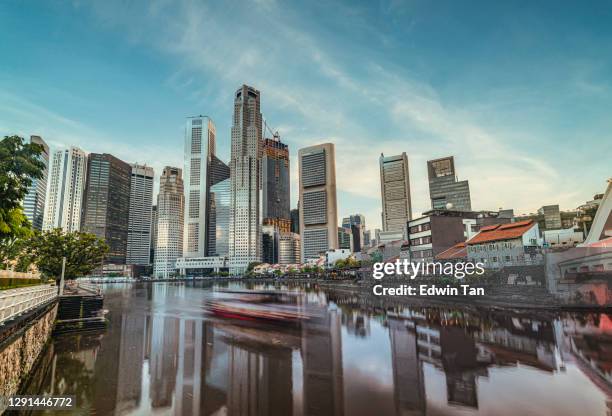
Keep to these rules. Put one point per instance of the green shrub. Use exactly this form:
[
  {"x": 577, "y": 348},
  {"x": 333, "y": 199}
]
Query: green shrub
[{"x": 13, "y": 282}]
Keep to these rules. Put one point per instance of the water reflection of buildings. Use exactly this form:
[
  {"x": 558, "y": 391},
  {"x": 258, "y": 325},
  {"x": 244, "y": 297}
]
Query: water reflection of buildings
[
  {"x": 322, "y": 366},
  {"x": 463, "y": 352},
  {"x": 168, "y": 361}
]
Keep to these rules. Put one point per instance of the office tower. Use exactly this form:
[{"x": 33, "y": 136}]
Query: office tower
[
  {"x": 269, "y": 244},
  {"x": 245, "y": 224},
  {"x": 395, "y": 192},
  {"x": 288, "y": 248},
  {"x": 219, "y": 218},
  {"x": 66, "y": 187},
  {"x": 445, "y": 191},
  {"x": 356, "y": 219},
  {"x": 153, "y": 233},
  {"x": 170, "y": 212},
  {"x": 367, "y": 238},
  {"x": 106, "y": 204},
  {"x": 355, "y": 226},
  {"x": 139, "y": 225},
  {"x": 344, "y": 238},
  {"x": 275, "y": 179},
  {"x": 295, "y": 220},
  {"x": 199, "y": 150},
  {"x": 34, "y": 202},
  {"x": 317, "y": 193},
  {"x": 356, "y": 238}
]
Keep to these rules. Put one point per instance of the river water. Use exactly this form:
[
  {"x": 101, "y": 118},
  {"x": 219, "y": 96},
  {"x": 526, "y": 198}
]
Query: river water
[{"x": 163, "y": 354}]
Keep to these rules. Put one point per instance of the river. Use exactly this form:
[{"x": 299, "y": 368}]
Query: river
[{"x": 163, "y": 354}]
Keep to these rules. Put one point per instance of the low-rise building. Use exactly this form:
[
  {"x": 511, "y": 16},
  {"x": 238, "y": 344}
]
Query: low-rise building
[
  {"x": 502, "y": 245},
  {"x": 455, "y": 254},
  {"x": 567, "y": 237},
  {"x": 201, "y": 266},
  {"x": 332, "y": 256}
]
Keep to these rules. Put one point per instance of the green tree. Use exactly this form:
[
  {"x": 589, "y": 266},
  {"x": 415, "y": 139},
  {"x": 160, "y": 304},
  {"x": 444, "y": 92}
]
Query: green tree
[
  {"x": 14, "y": 230},
  {"x": 84, "y": 252},
  {"x": 340, "y": 264},
  {"x": 252, "y": 265},
  {"x": 19, "y": 166}
]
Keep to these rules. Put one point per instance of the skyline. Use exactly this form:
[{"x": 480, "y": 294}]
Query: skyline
[{"x": 349, "y": 84}]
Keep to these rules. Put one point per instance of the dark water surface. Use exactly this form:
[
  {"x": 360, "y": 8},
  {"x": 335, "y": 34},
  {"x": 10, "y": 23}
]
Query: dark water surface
[{"x": 164, "y": 355}]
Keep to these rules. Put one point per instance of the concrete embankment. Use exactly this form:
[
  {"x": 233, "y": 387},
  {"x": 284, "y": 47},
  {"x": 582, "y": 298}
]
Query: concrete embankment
[{"x": 21, "y": 342}]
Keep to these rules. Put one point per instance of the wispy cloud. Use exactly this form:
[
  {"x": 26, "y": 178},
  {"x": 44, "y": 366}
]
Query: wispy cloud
[{"x": 317, "y": 90}]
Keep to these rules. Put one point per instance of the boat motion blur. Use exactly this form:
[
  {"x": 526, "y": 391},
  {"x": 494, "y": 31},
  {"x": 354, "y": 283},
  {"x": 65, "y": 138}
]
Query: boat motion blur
[{"x": 263, "y": 306}]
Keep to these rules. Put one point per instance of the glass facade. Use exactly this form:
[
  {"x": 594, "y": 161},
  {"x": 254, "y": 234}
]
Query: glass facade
[
  {"x": 106, "y": 204},
  {"x": 219, "y": 217},
  {"x": 34, "y": 201}
]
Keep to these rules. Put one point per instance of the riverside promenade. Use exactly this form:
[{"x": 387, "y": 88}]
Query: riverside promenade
[{"x": 30, "y": 314}]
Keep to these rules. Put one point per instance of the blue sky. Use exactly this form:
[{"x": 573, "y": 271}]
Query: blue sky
[{"x": 519, "y": 92}]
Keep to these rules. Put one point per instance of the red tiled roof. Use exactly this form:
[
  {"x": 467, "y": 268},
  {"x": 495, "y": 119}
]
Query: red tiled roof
[
  {"x": 458, "y": 251},
  {"x": 501, "y": 232}
]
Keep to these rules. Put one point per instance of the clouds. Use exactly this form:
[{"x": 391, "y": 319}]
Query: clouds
[{"x": 363, "y": 85}]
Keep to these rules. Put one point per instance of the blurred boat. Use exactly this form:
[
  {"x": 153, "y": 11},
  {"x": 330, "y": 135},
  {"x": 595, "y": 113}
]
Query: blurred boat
[{"x": 263, "y": 306}]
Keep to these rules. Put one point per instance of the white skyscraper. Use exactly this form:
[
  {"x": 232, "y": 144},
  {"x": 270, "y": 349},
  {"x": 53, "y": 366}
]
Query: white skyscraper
[
  {"x": 245, "y": 225},
  {"x": 170, "y": 209},
  {"x": 139, "y": 225},
  {"x": 66, "y": 187},
  {"x": 34, "y": 202},
  {"x": 199, "y": 150}
]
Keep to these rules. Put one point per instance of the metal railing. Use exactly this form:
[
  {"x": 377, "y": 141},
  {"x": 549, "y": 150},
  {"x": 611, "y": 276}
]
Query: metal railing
[
  {"x": 90, "y": 287},
  {"x": 14, "y": 302}
]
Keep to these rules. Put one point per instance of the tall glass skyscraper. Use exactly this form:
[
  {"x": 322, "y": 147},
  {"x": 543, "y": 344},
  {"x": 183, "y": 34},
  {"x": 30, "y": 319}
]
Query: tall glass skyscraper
[
  {"x": 34, "y": 201},
  {"x": 106, "y": 204},
  {"x": 275, "y": 176},
  {"x": 245, "y": 224},
  {"x": 219, "y": 218},
  {"x": 66, "y": 187},
  {"x": 139, "y": 227}
]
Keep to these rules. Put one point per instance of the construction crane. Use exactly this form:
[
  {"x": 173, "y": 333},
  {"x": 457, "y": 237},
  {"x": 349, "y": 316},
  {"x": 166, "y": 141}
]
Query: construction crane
[{"x": 275, "y": 134}]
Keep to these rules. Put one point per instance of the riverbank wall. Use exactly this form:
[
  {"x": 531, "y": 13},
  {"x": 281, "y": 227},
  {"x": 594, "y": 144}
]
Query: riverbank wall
[{"x": 21, "y": 342}]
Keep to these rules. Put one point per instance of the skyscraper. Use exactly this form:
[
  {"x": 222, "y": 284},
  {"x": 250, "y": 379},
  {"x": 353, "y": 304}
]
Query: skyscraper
[
  {"x": 139, "y": 226},
  {"x": 153, "y": 233},
  {"x": 66, "y": 187},
  {"x": 295, "y": 220},
  {"x": 34, "y": 202},
  {"x": 106, "y": 204},
  {"x": 219, "y": 218},
  {"x": 275, "y": 176},
  {"x": 395, "y": 192},
  {"x": 317, "y": 196},
  {"x": 245, "y": 224},
  {"x": 218, "y": 208},
  {"x": 170, "y": 212},
  {"x": 445, "y": 191},
  {"x": 199, "y": 150},
  {"x": 288, "y": 248}
]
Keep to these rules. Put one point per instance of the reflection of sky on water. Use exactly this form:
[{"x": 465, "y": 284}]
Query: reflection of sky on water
[{"x": 162, "y": 353}]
